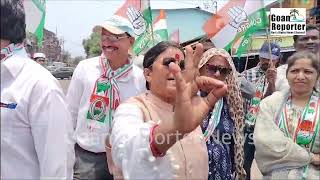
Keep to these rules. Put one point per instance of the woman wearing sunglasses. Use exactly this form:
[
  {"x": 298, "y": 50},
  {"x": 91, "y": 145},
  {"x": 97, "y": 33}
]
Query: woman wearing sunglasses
[
  {"x": 223, "y": 125},
  {"x": 286, "y": 134},
  {"x": 157, "y": 134}
]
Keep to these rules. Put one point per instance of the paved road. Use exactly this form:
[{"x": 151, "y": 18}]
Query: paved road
[
  {"x": 65, "y": 84},
  {"x": 255, "y": 173}
]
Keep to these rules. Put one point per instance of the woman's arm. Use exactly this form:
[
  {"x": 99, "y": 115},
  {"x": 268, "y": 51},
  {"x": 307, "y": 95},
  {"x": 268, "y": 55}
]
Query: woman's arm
[{"x": 131, "y": 146}]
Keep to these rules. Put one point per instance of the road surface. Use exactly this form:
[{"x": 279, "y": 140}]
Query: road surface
[{"x": 64, "y": 84}]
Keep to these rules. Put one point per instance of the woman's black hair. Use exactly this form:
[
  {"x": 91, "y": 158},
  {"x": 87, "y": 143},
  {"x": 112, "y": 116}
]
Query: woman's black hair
[{"x": 152, "y": 54}]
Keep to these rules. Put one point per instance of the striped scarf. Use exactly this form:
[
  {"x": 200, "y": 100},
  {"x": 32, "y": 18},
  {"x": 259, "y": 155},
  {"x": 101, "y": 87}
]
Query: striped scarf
[
  {"x": 105, "y": 97},
  {"x": 8, "y": 51}
]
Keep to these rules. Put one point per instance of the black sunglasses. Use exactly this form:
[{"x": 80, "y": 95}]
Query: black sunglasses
[
  {"x": 212, "y": 69},
  {"x": 167, "y": 61}
]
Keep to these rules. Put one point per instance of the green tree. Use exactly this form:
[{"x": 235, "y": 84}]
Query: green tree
[
  {"x": 77, "y": 59},
  {"x": 91, "y": 45},
  {"x": 65, "y": 56}
]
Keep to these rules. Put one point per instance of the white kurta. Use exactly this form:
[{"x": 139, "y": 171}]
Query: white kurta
[
  {"x": 186, "y": 159},
  {"x": 78, "y": 99},
  {"x": 281, "y": 81},
  {"x": 36, "y": 136}
]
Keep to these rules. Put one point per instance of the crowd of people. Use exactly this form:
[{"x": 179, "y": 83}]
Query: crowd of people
[{"x": 187, "y": 114}]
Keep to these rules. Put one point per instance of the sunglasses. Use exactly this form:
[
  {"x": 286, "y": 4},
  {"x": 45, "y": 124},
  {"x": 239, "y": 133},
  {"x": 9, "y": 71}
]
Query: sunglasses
[
  {"x": 167, "y": 61},
  {"x": 212, "y": 69}
]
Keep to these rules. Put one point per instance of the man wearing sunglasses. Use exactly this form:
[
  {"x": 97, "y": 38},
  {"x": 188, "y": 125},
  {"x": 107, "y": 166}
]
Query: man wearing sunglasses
[
  {"x": 97, "y": 87},
  {"x": 263, "y": 76}
]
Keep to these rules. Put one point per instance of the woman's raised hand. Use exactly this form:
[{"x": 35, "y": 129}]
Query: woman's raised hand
[{"x": 190, "y": 109}]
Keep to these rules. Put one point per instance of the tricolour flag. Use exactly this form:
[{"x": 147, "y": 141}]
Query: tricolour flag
[
  {"x": 138, "y": 12},
  {"x": 160, "y": 31},
  {"x": 257, "y": 20},
  {"x": 233, "y": 20},
  {"x": 35, "y": 17}
]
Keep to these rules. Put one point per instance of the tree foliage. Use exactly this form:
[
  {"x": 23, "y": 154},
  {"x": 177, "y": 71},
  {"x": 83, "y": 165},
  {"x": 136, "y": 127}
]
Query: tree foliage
[
  {"x": 65, "y": 56},
  {"x": 77, "y": 59},
  {"x": 91, "y": 45}
]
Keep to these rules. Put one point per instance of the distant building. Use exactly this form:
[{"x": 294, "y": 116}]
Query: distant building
[{"x": 51, "y": 45}]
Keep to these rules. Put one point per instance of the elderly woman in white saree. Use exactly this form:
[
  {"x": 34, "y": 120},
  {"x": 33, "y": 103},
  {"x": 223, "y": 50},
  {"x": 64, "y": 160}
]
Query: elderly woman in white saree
[{"x": 286, "y": 135}]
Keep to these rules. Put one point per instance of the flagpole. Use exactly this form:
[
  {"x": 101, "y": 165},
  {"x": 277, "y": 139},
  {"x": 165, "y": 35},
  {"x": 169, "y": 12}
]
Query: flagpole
[
  {"x": 247, "y": 59},
  {"x": 149, "y": 5},
  {"x": 250, "y": 47},
  {"x": 268, "y": 38}
]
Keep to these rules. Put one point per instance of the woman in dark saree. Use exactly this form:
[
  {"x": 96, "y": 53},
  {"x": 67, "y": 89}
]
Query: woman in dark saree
[{"x": 223, "y": 126}]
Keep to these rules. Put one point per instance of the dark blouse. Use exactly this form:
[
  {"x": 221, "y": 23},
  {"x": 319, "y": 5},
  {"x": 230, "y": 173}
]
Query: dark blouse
[{"x": 220, "y": 146}]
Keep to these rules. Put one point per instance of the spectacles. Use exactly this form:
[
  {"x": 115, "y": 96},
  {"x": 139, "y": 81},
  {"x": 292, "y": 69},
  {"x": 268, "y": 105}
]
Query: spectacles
[
  {"x": 167, "y": 61},
  {"x": 212, "y": 69},
  {"x": 112, "y": 38}
]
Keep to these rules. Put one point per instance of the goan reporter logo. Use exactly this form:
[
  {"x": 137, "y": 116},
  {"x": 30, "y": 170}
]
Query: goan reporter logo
[{"x": 288, "y": 21}]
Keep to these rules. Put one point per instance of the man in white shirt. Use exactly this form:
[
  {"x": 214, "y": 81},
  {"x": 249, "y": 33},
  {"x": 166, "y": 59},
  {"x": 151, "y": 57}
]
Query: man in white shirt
[
  {"x": 40, "y": 58},
  {"x": 97, "y": 87},
  {"x": 309, "y": 42},
  {"x": 36, "y": 126}
]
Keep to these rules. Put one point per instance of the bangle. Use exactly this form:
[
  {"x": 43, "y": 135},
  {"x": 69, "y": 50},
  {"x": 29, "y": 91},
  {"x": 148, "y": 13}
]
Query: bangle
[
  {"x": 107, "y": 143},
  {"x": 153, "y": 147},
  {"x": 108, "y": 147}
]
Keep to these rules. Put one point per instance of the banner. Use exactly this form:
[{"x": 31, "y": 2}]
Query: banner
[
  {"x": 35, "y": 11},
  {"x": 160, "y": 31},
  {"x": 138, "y": 12},
  {"x": 237, "y": 19}
]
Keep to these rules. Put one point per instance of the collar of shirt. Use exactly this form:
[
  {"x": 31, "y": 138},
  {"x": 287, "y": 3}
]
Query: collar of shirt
[
  {"x": 14, "y": 63},
  {"x": 9, "y": 50},
  {"x": 125, "y": 78}
]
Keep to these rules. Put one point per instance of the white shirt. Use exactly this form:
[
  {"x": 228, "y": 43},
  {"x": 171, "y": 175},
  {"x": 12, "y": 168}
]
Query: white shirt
[
  {"x": 36, "y": 136},
  {"x": 281, "y": 81},
  {"x": 131, "y": 146},
  {"x": 78, "y": 99}
]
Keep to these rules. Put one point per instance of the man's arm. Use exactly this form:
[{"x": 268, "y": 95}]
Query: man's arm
[
  {"x": 74, "y": 93},
  {"x": 51, "y": 127},
  {"x": 271, "y": 76}
]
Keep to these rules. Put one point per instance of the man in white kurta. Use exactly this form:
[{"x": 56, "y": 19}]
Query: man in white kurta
[
  {"x": 36, "y": 127},
  {"x": 90, "y": 132}
]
